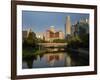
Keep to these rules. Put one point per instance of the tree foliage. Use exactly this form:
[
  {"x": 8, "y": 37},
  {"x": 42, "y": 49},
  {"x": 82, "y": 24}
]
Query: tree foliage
[{"x": 59, "y": 40}]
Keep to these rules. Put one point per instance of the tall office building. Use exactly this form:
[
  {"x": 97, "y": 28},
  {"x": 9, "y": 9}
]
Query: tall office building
[{"x": 68, "y": 26}]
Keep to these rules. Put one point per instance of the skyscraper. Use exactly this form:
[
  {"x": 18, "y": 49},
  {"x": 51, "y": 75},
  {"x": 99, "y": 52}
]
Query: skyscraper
[{"x": 68, "y": 26}]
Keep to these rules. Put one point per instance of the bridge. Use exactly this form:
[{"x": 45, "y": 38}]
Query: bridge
[
  {"x": 53, "y": 44},
  {"x": 53, "y": 47}
]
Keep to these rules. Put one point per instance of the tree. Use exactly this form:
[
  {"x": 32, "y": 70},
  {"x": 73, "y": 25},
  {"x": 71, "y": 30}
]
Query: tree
[
  {"x": 31, "y": 40},
  {"x": 59, "y": 40}
]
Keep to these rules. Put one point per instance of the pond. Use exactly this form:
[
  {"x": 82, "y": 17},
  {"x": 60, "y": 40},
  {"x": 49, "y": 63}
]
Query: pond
[{"x": 58, "y": 59}]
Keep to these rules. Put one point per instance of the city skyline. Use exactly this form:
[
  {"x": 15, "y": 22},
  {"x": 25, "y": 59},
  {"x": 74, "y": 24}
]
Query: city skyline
[
  {"x": 39, "y": 22},
  {"x": 61, "y": 35}
]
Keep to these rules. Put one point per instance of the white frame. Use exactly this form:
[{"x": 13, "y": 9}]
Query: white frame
[{"x": 21, "y": 71}]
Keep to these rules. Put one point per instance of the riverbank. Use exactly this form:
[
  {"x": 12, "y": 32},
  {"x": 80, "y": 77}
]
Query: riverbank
[
  {"x": 32, "y": 52},
  {"x": 83, "y": 53}
]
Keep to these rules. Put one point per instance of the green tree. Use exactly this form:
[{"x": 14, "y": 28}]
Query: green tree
[{"x": 59, "y": 40}]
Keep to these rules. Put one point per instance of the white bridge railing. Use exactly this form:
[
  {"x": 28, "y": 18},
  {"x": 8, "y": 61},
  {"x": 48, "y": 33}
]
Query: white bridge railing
[{"x": 52, "y": 44}]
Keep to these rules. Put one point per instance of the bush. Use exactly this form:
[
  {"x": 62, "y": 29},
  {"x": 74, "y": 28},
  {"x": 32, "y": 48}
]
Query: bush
[
  {"x": 59, "y": 41},
  {"x": 81, "y": 41}
]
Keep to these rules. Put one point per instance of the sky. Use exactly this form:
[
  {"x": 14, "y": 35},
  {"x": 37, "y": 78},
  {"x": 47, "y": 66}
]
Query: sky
[{"x": 40, "y": 21}]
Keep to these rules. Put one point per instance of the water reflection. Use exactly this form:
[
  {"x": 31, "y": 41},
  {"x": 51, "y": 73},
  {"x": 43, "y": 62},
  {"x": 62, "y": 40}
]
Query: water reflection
[{"x": 61, "y": 59}]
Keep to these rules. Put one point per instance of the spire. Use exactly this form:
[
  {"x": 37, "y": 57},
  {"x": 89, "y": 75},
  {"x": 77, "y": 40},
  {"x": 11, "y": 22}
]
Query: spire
[{"x": 29, "y": 30}]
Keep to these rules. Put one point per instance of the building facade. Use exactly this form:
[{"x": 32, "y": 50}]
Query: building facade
[
  {"x": 67, "y": 27},
  {"x": 81, "y": 27},
  {"x": 51, "y": 34}
]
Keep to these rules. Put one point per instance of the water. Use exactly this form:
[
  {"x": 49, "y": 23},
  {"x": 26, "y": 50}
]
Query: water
[{"x": 58, "y": 59}]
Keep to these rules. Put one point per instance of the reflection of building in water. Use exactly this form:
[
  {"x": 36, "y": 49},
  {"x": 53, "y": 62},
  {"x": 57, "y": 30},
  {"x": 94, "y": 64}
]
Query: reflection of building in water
[
  {"x": 52, "y": 34},
  {"x": 68, "y": 60},
  {"x": 52, "y": 58}
]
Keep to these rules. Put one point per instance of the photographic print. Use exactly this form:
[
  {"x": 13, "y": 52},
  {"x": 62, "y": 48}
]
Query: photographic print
[{"x": 53, "y": 39}]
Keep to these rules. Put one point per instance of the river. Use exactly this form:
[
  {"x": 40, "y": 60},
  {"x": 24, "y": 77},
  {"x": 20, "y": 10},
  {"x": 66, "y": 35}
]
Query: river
[{"x": 58, "y": 59}]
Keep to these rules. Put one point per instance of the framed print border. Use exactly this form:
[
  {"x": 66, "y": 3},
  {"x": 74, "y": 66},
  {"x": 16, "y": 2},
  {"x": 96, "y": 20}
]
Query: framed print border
[{"x": 14, "y": 4}]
